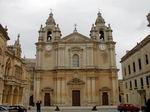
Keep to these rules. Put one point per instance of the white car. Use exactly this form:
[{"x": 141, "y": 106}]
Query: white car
[{"x": 3, "y": 109}]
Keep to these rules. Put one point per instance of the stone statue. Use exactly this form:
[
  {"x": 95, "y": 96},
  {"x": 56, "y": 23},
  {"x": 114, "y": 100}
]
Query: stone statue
[{"x": 148, "y": 18}]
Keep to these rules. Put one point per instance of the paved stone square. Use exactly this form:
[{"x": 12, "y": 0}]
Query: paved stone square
[{"x": 77, "y": 109}]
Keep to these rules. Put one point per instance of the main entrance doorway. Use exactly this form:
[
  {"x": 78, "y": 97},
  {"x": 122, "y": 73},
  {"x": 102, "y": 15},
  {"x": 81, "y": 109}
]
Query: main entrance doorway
[
  {"x": 76, "y": 98},
  {"x": 47, "y": 99},
  {"x": 105, "y": 98}
]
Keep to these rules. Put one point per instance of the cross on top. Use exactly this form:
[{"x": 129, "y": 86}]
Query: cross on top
[
  {"x": 99, "y": 10},
  {"x": 51, "y": 10},
  {"x": 75, "y": 27}
]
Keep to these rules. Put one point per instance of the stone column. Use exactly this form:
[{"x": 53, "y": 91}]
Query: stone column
[
  {"x": 17, "y": 95},
  {"x": 1, "y": 95},
  {"x": 115, "y": 95},
  {"x": 39, "y": 56},
  {"x": 1, "y": 90},
  {"x": 93, "y": 89},
  {"x": 89, "y": 89},
  {"x": 12, "y": 95},
  {"x": 37, "y": 92},
  {"x": 58, "y": 91},
  {"x": 4, "y": 95},
  {"x": 91, "y": 59},
  {"x": 63, "y": 96}
]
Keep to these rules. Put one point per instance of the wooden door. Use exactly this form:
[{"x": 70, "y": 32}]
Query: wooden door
[
  {"x": 47, "y": 99},
  {"x": 75, "y": 98},
  {"x": 105, "y": 98}
]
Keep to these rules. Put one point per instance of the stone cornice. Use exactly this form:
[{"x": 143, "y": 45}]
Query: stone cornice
[
  {"x": 140, "y": 45},
  {"x": 134, "y": 76},
  {"x": 83, "y": 70}
]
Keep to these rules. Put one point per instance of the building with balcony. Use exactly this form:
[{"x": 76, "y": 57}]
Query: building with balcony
[
  {"x": 13, "y": 76},
  {"x": 3, "y": 44}
]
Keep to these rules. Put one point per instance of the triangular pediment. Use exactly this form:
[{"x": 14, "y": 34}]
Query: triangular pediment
[
  {"x": 75, "y": 37},
  {"x": 76, "y": 81}
]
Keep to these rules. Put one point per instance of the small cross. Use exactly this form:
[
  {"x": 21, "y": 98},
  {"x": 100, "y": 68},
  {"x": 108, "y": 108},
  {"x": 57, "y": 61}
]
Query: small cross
[
  {"x": 51, "y": 10},
  {"x": 99, "y": 14},
  {"x": 75, "y": 27},
  {"x": 98, "y": 10}
]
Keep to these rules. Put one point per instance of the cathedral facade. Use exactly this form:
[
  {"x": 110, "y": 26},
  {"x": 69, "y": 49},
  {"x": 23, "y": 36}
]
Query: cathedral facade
[{"x": 76, "y": 70}]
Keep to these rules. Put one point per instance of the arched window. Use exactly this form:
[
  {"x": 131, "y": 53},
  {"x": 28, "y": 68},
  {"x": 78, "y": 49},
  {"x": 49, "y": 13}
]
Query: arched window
[
  {"x": 75, "y": 60},
  {"x": 49, "y": 35},
  {"x": 101, "y": 35}
]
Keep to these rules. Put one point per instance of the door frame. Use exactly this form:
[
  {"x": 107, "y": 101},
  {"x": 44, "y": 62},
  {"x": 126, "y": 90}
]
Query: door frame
[
  {"x": 49, "y": 99},
  {"x": 79, "y": 95}
]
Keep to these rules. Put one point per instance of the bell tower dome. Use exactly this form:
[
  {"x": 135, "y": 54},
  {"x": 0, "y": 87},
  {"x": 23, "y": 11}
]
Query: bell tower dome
[
  {"x": 51, "y": 32},
  {"x": 100, "y": 32}
]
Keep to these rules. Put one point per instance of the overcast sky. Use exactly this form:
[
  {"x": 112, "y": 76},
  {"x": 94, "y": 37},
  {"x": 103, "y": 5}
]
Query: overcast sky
[{"x": 127, "y": 18}]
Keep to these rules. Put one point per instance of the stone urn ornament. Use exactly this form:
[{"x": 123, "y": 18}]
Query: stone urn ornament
[{"x": 148, "y": 18}]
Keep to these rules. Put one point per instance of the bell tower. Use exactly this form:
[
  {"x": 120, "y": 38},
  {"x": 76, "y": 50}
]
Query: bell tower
[
  {"x": 51, "y": 32},
  {"x": 100, "y": 32},
  {"x": 102, "y": 35},
  {"x": 50, "y": 28},
  {"x": 48, "y": 35}
]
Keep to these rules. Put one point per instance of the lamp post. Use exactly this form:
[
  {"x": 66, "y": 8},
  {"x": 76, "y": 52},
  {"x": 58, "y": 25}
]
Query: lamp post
[{"x": 148, "y": 18}]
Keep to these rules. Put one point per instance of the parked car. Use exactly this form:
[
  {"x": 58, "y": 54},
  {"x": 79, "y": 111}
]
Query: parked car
[
  {"x": 128, "y": 107},
  {"x": 17, "y": 108},
  {"x": 3, "y": 109}
]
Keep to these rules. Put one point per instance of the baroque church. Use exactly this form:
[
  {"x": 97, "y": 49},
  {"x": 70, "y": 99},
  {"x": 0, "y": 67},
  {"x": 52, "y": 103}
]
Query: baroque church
[{"x": 76, "y": 70}]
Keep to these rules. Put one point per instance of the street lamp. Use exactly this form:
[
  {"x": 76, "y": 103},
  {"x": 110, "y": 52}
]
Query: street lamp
[{"x": 148, "y": 18}]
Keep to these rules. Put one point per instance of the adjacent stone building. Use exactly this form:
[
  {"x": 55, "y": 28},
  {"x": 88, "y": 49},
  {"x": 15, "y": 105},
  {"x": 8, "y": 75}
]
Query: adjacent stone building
[
  {"x": 13, "y": 75},
  {"x": 76, "y": 70},
  {"x": 136, "y": 73},
  {"x": 3, "y": 43}
]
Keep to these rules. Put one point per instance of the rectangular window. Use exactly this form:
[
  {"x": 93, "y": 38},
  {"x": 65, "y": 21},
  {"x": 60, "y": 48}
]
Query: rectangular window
[
  {"x": 129, "y": 70},
  {"x": 142, "y": 82},
  {"x": 134, "y": 69},
  {"x": 127, "y": 97},
  {"x": 140, "y": 66},
  {"x": 146, "y": 59},
  {"x": 147, "y": 80},
  {"x": 130, "y": 85},
  {"x": 135, "y": 83}
]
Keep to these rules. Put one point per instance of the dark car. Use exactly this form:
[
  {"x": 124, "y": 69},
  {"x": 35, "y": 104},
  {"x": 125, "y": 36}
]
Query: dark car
[
  {"x": 4, "y": 108},
  {"x": 128, "y": 107},
  {"x": 17, "y": 108}
]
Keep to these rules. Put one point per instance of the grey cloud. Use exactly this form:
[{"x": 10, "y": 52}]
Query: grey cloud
[{"x": 127, "y": 19}]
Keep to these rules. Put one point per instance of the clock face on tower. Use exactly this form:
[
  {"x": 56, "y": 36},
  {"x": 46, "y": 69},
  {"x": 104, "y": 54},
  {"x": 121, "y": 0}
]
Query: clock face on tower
[
  {"x": 48, "y": 47},
  {"x": 102, "y": 46}
]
